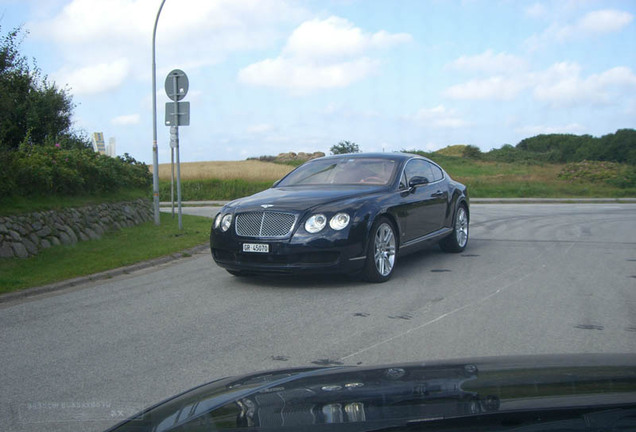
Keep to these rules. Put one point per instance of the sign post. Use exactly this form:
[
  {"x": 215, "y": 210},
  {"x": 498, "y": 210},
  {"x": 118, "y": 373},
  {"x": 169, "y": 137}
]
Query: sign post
[
  {"x": 177, "y": 114},
  {"x": 173, "y": 143}
]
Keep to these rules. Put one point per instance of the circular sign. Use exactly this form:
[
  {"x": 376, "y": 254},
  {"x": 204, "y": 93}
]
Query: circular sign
[{"x": 177, "y": 85}]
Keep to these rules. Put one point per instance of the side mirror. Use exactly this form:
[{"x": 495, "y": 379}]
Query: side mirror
[{"x": 417, "y": 181}]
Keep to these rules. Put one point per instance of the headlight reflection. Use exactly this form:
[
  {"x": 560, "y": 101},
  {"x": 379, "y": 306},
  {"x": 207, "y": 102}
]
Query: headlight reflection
[
  {"x": 339, "y": 221},
  {"x": 226, "y": 222},
  {"x": 315, "y": 223}
]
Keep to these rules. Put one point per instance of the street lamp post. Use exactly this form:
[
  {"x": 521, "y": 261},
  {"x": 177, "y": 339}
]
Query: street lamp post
[{"x": 155, "y": 156}]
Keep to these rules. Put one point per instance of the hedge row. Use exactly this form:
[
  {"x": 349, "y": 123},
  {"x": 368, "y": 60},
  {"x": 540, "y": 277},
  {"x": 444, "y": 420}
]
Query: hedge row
[{"x": 52, "y": 170}]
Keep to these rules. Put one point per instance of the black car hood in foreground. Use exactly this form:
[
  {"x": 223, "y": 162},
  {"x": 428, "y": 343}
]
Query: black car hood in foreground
[
  {"x": 569, "y": 392},
  {"x": 302, "y": 197}
]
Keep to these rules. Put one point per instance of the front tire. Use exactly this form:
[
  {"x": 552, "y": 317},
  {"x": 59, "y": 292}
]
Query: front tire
[
  {"x": 457, "y": 241},
  {"x": 381, "y": 252}
]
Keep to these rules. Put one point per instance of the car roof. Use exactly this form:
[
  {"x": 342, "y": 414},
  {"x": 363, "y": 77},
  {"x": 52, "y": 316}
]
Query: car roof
[{"x": 397, "y": 156}]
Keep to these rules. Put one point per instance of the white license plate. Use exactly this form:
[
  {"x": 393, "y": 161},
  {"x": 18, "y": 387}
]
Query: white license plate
[{"x": 256, "y": 247}]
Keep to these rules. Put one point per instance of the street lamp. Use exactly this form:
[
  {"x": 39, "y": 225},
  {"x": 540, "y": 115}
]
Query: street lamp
[{"x": 155, "y": 156}]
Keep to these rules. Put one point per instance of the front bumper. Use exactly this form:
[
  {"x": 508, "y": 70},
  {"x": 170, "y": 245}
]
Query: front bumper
[{"x": 301, "y": 253}]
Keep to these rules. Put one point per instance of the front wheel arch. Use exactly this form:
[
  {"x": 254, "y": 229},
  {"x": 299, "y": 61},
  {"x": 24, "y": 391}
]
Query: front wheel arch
[{"x": 394, "y": 221}]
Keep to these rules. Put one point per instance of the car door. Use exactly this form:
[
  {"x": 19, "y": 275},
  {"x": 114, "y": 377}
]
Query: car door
[{"x": 423, "y": 206}]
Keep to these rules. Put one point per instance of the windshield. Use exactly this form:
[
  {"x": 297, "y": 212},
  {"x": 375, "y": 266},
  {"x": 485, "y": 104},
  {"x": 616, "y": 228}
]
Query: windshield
[{"x": 344, "y": 171}]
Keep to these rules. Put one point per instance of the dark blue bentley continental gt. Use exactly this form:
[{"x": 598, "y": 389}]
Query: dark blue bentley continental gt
[{"x": 352, "y": 213}]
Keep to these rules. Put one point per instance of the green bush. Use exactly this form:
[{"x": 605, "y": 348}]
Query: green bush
[
  {"x": 54, "y": 170},
  {"x": 612, "y": 173},
  {"x": 472, "y": 152}
]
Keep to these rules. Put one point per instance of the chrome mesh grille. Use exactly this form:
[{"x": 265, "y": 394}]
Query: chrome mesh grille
[{"x": 264, "y": 224}]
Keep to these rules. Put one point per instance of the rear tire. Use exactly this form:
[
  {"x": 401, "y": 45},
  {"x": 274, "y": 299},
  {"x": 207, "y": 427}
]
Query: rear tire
[
  {"x": 381, "y": 252},
  {"x": 458, "y": 239}
]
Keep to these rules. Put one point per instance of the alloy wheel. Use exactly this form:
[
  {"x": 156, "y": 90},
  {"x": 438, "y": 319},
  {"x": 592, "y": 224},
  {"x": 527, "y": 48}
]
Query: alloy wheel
[
  {"x": 384, "y": 249},
  {"x": 461, "y": 227}
]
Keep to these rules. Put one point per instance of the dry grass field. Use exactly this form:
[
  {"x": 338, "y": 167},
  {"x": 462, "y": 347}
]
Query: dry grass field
[
  {"x": 249, "y": 170},
  {"x": 230, "y": 180}
]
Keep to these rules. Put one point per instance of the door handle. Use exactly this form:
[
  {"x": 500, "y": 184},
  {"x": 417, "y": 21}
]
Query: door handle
[{"x": 438, "y": 194}]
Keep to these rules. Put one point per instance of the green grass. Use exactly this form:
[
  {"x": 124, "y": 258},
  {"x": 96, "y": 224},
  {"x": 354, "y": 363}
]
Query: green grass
[
  {"x": 213, "y": 189},
  {"x": 536, "y": 189},
  {"x": 19, "y": 204},
  {"x": 115, "y": 249}
]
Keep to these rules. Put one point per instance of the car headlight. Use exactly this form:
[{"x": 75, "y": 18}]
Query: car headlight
[
  {"x": 217, "y": 220},
  {"x": 315, "y": 223},
  {"x": 226, "y": 222},
  {"x": 339, "y": 221}
]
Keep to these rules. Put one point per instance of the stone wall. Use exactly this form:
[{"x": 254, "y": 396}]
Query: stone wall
[{"x": 26, "y": 234}]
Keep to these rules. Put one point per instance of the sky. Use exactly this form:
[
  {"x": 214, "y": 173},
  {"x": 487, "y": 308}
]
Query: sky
[{"x": 274, "y": 76}]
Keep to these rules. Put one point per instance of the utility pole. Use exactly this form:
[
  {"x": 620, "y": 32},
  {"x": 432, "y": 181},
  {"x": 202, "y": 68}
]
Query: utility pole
[{"x": 155, "y": 150}]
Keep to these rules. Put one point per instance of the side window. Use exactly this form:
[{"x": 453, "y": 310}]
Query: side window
[
  {"x": 419, "y": 168},
  {"x": 437, "y": 173}
]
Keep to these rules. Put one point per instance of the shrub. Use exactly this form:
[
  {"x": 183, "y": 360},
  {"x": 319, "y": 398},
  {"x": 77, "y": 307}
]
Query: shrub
[
  {"x": 615, "y": 174},
  {"x": 53, "y": 170},
  {"x": 471, "y": 152}
]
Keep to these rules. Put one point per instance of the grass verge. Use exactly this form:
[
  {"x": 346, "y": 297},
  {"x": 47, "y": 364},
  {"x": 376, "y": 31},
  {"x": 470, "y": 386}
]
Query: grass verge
[{"x": 115, "y": 249}]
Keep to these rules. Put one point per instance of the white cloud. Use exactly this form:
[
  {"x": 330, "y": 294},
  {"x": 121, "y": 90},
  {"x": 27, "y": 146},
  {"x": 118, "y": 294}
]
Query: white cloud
[
  {"x": 493, "y": 88},
  {"x": 89, "y": 21},
  {"x": 604, "y": 21},
  {"x": 94, "y": 78},
  {"x": 322, "y": 54},
  {"x": 562, "y": 85},
  {"x": 439, "y": 117},
  {"x": 336, "y": 38},
  {"x": 126, "y": 120},
  {"x": 596, "y": 23},
  {"x": 302, "y": 77},
  {"x": 190, "y": 33},
  {"x": 489, "y": 62}
]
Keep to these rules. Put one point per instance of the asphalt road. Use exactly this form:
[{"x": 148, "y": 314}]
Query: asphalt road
[{"x": 557, "y": 278}]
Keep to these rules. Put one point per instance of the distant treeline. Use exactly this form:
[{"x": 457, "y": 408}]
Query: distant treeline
[{"x": 563, "y": 148}]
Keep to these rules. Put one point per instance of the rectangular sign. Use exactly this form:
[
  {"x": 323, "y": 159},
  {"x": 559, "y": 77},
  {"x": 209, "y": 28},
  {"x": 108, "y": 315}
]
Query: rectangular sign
[
  {"x": 177, "y": 113},
  {"x": 255, "y": 247}
]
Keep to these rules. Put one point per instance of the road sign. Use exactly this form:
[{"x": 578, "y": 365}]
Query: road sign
[
  {"x": 177, "y": 85},
  {"x": 177, "y": 113}
]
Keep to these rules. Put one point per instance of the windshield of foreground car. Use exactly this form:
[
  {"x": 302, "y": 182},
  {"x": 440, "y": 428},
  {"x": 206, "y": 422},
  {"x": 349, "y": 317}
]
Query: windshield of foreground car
[{"x": 372, "y": 171}]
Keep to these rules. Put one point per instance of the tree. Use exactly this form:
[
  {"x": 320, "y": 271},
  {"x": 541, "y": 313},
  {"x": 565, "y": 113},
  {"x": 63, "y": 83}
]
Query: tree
[
  {"x": 31, "y": 108},
  {"x": 471, "y": 152},
  {"x": 344, "y": 147},
  {"x": 615, "y": 147}
]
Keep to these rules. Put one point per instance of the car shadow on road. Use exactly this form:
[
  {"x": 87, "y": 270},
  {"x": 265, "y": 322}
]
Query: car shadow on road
[
  {"x": 308, "y": 281},
  {"x": 408, "y": 267}
]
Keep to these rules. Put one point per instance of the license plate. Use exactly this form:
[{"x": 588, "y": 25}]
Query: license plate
[{"x": 256, "y": 247}]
